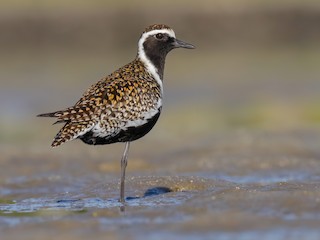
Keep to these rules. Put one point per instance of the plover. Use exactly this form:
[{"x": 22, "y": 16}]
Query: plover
[{"x": 125, "y": 105}]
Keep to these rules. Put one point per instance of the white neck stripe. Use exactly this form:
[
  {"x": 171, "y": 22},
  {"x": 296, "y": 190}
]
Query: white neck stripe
[{"x": 142, "y": 55}]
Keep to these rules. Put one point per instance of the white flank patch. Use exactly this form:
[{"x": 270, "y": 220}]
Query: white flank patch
[
  {"x": 142, "y": 55},
  {"x": 146, "y": 116},
  {"x": 98, "y": 131},
  {"x": 106, "y": 133},
  {"x": 88, "y": 129}
]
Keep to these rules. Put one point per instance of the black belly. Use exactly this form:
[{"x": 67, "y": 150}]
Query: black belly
[{"x": 128, "y": 135}]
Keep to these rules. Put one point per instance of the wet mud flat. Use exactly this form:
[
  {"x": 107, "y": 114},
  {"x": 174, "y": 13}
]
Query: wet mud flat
[{"x": 239, "y": 185}]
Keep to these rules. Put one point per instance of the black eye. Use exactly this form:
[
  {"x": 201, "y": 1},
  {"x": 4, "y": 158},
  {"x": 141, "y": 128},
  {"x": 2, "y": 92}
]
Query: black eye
[{"x": 159, "y": 35}]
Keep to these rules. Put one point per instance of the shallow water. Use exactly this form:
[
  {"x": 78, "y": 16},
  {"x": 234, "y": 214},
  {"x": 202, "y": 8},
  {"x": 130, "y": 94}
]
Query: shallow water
[
  {"x": 245, "y": 185},
  {"x": 235, "y": 154}
]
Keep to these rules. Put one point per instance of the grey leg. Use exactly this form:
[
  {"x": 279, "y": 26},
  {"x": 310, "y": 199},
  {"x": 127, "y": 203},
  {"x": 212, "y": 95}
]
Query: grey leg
[{"x": 124, "y": 163}]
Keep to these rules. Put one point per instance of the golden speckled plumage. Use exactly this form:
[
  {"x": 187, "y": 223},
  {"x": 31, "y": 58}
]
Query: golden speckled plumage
[
  {"x": 128, "y": 94},
  {"x": 125, "y": 105}
]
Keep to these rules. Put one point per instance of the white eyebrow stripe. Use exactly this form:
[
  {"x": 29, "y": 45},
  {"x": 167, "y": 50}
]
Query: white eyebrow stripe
[
  {"x": 142, "y": 55},
  {"x": 145, "y": 35},
  {"x": 170, "y": 32}
]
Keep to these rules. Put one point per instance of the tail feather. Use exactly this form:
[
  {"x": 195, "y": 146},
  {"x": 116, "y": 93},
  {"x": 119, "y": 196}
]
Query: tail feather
[
  {"x": 76, "y": 113},
  {"x": 52, "y": 114},
  {"x": 78, "y": 120},
  {"x": 56, "y": 114},
  {"x": 59, "y": 121},
  {"x": 71, "y": 131}
]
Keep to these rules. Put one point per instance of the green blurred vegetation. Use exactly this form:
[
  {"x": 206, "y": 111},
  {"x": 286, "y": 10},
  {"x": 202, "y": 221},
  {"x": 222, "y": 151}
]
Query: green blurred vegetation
[
  {"x": 256, "y": 64},
  {"x": 6, "y": 201}
]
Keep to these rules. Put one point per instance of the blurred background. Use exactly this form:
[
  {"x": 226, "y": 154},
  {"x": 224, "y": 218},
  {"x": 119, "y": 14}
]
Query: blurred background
[
  {"x": 242, "y": 108},
  {"x": 256, "y": 68},
  {"x": 256, "y": 64}
]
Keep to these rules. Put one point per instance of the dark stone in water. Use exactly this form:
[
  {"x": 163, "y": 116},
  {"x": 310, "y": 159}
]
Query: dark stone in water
[
  {"x": 68, "y": 200},
  {"x": 157, "y": 191}
]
